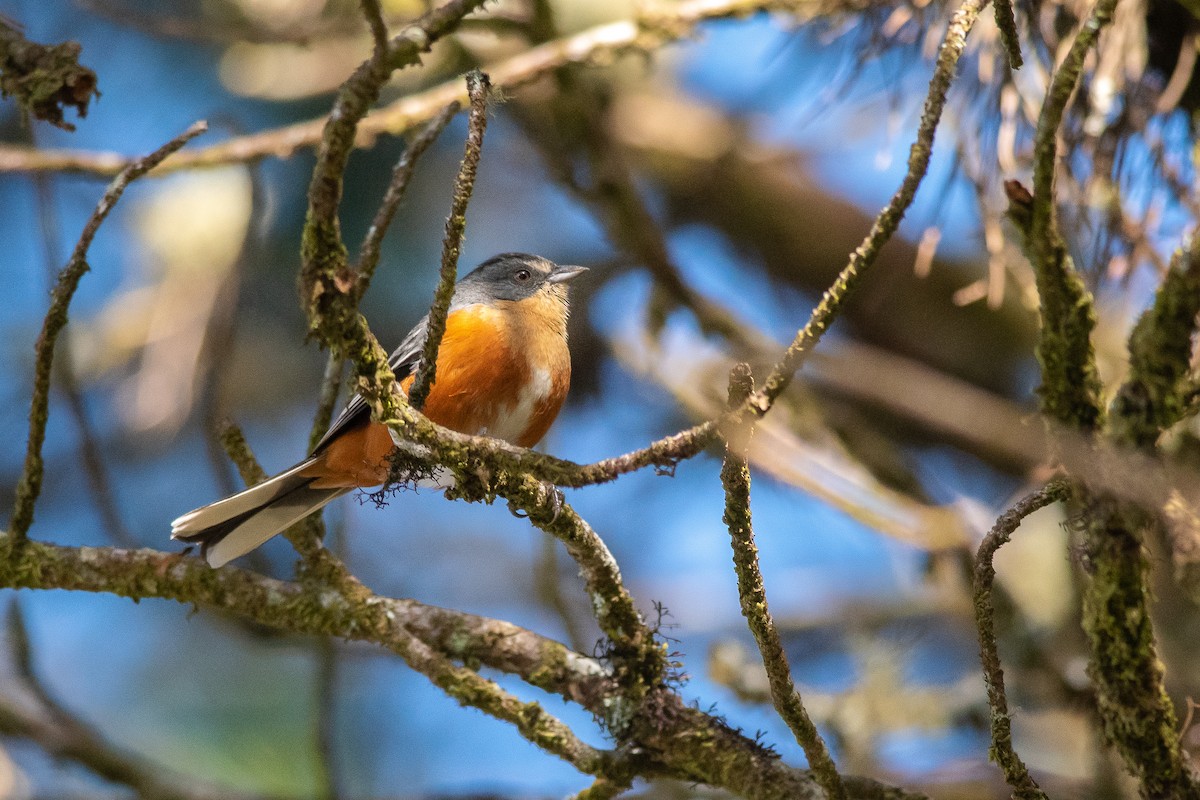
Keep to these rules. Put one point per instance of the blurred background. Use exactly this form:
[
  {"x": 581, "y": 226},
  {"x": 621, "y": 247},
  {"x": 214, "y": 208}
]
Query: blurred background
[{"x": 715, "y": 189}]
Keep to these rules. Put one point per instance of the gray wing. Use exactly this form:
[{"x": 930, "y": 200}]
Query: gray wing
[{"x": 403, "y": 361}]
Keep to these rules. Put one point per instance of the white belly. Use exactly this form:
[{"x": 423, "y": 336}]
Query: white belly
[{"x": 515, "y": 419}]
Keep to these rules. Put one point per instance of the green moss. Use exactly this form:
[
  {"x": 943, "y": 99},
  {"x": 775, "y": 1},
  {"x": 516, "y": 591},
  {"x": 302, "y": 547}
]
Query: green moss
[
  {"x": 1154, "y": 397},
  {"x": 44, "y": 79},
  {"x": 1138, "y": 717},
  {"x": 1070, "y": 390}
]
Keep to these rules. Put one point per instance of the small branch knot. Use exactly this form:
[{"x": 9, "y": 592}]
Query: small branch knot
[{"x": 741, "y": 384}]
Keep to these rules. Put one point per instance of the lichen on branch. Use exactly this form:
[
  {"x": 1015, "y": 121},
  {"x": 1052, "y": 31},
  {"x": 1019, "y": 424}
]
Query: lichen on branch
[{"x": 44, "y": 79}]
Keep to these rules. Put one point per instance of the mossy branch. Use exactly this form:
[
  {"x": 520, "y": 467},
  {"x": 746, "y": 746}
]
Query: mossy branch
[
  {"x": 676, "y": 740},
  {"x": 735, "y": 477},
  {"x": 597, "y": 45},
  {"x": 44, "y": 79},
  {"x": 1016, "y": 774},
  {"x": 1070, "y": 391},
  {"x": 30, "y": 484},
  {"x": 1154, "y": 396},
  {"x": 639, "y": 659},
  {"x": 1006, "y": 22},
  {"x": 1138, "y": 716},
  {"x": 65, "y": 736},
  {"x": 329, "y": 303},
  {"x": 478, "y": 87},
  {"x": 297, "y": 608},
  {"x": 889, "y": 218},
  {"x": 369, "y": 250}
]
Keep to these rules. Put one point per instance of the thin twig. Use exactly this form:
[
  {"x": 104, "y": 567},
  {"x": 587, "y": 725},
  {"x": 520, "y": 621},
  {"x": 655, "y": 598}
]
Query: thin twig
[
  {"x": 331, "y": 383},
  {"x": 368, "y": 252},
  {"x": 1006, "y": 21},
  {"x": 478, "y": 87},
  {"x": 103, "y": 493},
  {"x": 30, "y": 485},
  {"x": 888, "y": 220},
  {"x": 63, "y": 735},
  {"x": 1015, "y": 772},
  {"x": 663, "y": 454},
  {"x": 329, "y": 780},
  {"x": 612, "y": 605},
  {"x": 735, "y": 477},
  {"x": 238, "y": 450},
  {"x": 593, "y": 45},
  {"x": 379, "y": 33}
]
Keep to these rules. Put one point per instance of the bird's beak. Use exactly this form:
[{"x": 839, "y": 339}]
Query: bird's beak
[{"x": 562, "y": 274}]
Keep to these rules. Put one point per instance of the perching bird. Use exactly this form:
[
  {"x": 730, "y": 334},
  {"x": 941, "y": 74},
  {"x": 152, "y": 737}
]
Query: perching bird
[{"x": 503, "y": 370}]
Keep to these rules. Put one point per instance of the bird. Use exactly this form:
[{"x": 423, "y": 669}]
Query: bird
[{"x": 503, "y": 370}]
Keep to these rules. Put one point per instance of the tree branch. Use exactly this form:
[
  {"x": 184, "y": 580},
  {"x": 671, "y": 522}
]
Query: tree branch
[
  {"x": 44, "y": 79},
  {"x": 677, "y": 740},
  {"x": 1070, "y": 390},
  {"x": 735, "y": 477},
  {"x": 91, "y": 454},
  {"x": 64, "y": 736},
  {"x": 594, "y": 45},
  {"x": 30, "y": 484},
  {"x": 639, "y": 659},
  {"x": 1015, "y": 772},
  {"x": 1006, "y": 21},
  {"x": 888, "y": 220},
  {"x": 478, "y": 86},
  {"x": 1152, "y": 399},
  {"x": 366, "y": 617},
  {"x": 368, "y": 251},
  {"x": 374, "y": 14}
]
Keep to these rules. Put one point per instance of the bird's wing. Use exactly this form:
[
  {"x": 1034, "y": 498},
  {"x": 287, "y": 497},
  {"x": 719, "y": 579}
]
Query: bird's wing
[{"x": 403, "y": 361}]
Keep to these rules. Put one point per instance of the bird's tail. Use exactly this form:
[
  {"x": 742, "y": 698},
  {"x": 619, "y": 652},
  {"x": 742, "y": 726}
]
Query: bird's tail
[{"x": 236, "y": 525}]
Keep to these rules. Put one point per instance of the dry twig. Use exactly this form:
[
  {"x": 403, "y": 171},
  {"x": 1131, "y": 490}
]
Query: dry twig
[{"x": 56, "y": 318}]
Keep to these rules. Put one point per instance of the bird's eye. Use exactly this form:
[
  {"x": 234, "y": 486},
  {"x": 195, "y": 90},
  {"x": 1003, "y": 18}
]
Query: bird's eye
[{"x": 521, "y": 275}]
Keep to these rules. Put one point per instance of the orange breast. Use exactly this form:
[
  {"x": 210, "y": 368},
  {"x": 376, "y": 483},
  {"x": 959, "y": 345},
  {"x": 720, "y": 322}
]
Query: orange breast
[{"x": 503, "y": 370}]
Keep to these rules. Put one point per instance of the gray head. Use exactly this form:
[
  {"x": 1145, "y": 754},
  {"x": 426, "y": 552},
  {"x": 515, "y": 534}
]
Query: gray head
[{"x": 512, "y": 276}]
